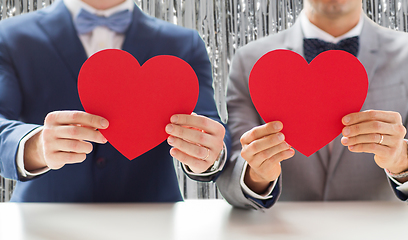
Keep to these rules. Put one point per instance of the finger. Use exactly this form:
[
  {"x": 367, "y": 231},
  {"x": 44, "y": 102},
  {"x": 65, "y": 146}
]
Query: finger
[
  {"x": 268, "y": 154},
  {"x": 200, "y": 122},
  {"x": 261, "y": 131},
  {"x": 77, "y": 133},
  {"x": 372, "y": 115},
  {"x": 379, "y": 149},
  {"x": 279, "y": 157},
  {"x": 68, "y": 145},
  {"x": 260, "y": 145},
  {"x": 59, "y": 159},
  {"x": 194, "y": 150},
  {"x": 367, "y": 138},
  {"x": 367, "y": 128},
  {"x": 76, "y": 117},
  {"x": 196, "y": 165},
  {"x": 193, "y": 135}
]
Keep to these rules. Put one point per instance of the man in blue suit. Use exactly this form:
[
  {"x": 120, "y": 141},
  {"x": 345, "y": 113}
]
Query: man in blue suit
[{"x": 53, "y": 147}]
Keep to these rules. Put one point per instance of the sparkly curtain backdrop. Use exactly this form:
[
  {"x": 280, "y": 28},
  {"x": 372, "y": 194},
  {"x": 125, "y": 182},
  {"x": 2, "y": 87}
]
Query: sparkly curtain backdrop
[{"x": 224, "y": 25}]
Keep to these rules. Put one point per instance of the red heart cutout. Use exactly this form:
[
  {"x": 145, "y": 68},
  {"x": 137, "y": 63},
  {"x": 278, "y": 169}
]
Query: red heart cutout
[
  {"x": 137, "y": 101},
  {"x": 309, "y": 99}
]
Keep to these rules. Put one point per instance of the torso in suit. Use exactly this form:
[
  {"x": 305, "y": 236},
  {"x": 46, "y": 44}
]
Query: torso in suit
[
  {"x": 40, "y": 58},
  {"x": 341, "y": 175}
]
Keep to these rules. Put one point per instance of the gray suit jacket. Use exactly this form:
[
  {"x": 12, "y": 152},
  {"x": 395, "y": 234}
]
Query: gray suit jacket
[{"x": 343, "y": 175}]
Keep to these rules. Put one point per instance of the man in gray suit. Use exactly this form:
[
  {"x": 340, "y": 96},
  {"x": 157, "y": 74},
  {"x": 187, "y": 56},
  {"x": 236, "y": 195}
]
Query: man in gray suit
[{"x": 368, "y": 161}]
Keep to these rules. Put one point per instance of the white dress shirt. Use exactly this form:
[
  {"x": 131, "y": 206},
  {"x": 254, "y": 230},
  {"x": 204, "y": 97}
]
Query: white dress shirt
[{"x": 312, "y": 31}]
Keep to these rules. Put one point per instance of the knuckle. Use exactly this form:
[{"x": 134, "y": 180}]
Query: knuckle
[
  {"x": 73, "y": 131},
  {"x": 243, "y": 140},
  {"x": 46, "y": 132},
  {"x": 376, "y": 125},
  {"x": 263, "y": 155},
  {"x": 401, "y": 129},
  {"x": 245, "y": 155},
  {"x": 397, "y": 116},
  {"x": 253, "y": 147},
  {"x": 74, "y": 146},
  {"x": 203, "y": 121},
  {"x": 374, "y": 137},
  {"x": 220, "y": 129},
  {"x": 283, "y": 146},
  {"x": 372, "y": 114},
  {"x": 202, "y": 137},
  {"x": 355, "y": 128},
  {"x": 94, "y": 121},
  {"x": 252, "y": 133},
  {"x": 50, "y": 118},
  {"x": 73, "y": 115},
  {"x": 69, "y": 157},
  {"x": 274, "y": 158}
]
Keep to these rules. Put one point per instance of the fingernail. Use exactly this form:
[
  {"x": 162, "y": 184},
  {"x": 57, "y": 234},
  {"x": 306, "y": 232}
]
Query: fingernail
[
  {"x": 344, "y": 140},
  {"x": 281, "y": 137},
  {"x": 170, "y": 140},
  {"x": 351, "y": 147},
  {"x": 173, "y": 152},
  {"x": 346, "y": 131},
  {"x": 104, "y": 123},
  {"x": 277, "y": 125},
  {"x": 346, "y": 119},
  {"x": 169, "y": 128},
  {"x": 174, "y": 119}
]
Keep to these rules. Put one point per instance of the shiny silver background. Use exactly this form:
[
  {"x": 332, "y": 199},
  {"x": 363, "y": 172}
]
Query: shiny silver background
[{"x": 224, "y": 25}]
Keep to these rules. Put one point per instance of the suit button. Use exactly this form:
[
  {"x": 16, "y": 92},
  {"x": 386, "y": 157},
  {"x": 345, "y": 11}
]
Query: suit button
[{"x": 100, "y": 162}]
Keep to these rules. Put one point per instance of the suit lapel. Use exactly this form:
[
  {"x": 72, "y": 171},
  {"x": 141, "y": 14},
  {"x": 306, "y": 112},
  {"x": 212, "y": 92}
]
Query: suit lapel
[
  {"x": 58, "y": 26},
  {"x": 139, "y": 39},
  {"x": 294, "y": 38},
  {"x": 368, "y": 56},
  {"x": 368, "y": 53}
]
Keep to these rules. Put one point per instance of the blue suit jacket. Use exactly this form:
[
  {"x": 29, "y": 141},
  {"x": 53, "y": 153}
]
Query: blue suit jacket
[{"x": 40, "y": 58}]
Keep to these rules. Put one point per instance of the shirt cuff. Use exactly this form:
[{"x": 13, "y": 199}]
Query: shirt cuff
[
  {"x": 20, "y": 157},
  {"x": 249, "y": 192},
  {"x": 222, "y": 158},
  {"x": 402, "y": 187}
]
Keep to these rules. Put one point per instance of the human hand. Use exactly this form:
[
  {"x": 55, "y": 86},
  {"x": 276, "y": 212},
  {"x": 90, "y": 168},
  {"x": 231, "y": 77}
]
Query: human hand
[
  {"x": 65, "y": 139},
  {"x": 264, "y": 147},
  {"x": 378, "y": 132},
  {"x": 196, "y": 140}
]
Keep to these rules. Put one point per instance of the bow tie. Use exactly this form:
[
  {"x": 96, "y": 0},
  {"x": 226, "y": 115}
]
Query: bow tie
[
  {"x": 313, "y": 47},
  {"x": 118, "y": 22}
]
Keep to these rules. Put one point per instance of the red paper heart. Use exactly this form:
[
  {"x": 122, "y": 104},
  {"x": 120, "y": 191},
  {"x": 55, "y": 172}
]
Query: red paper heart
[
  {"x": 137, "y": 101},
  {"x": 309, "y": 99}
]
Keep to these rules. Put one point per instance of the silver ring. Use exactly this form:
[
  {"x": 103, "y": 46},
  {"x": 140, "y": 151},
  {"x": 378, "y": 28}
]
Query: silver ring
[
  {"x": 381, "y": 139},
  {"x": 208, "y": 154}
]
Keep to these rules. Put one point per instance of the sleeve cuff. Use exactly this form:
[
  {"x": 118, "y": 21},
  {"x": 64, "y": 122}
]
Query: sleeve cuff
[
  {"x": 267, "y": 195},
  {"x": 222, "y": 159},
  {"x": 402, "y": 187},
  {"x": 20, "y": 157}
]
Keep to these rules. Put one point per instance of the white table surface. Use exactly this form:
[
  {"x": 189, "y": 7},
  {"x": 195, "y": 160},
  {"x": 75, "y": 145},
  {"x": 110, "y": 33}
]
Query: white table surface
[{"x": 204, "y": 219}]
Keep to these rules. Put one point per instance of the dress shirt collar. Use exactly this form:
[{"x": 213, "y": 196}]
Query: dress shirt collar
[
  {"x": 311, "y": 31},
  {"x": 74, "y": 6}
]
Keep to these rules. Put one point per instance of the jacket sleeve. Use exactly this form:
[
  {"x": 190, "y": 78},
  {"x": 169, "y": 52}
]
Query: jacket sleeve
[{"x": 11, "y": 129}]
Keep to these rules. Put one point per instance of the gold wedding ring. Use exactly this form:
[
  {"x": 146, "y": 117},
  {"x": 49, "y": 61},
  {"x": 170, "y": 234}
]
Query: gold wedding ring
[{"x": 381, "y": 139}]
